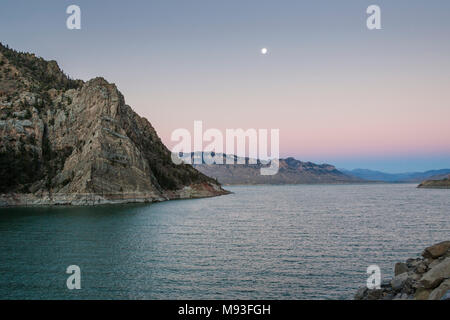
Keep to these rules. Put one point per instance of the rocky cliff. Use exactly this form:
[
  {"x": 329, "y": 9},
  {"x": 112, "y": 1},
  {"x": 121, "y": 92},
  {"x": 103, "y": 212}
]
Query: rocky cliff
[
  {"x": 66, "y": 141},
  {"x": 291, "y": 171},
  {"x": 423, "y": 278}
]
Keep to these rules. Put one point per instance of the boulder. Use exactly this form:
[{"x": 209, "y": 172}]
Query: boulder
[
  {"x": 436, "y": 275},
  {"x": 427, "y": 261},
  {"x": 19, "y": 114},
  {"x": 422, "y": 294},
  {"x": 401, "y": 296},
  {"x": 415, "y": 276},
  {"x": 375, "y": 294},
  {"x": 399, "y": 281},
  {"x": 408, "y": 286},
  {"x": 435, "y": 263},
  {"x": 421, "y": 268},
  {"x": 440, "y": 291},
  {"x": 360, "y": 293},
  {"x": 423, "y": 278},
  {"x": 437, "y": 250},
  {"x": 388, "y": 296},
  {"x": 412, "y": 263},
  {"x": 400, "y": 268}
]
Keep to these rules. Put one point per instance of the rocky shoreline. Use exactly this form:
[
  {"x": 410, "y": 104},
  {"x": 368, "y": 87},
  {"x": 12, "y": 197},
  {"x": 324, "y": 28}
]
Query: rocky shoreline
[
  {"x": 423, "y": 278},
  {"x": 436, "y": 184},
  {"x": 92, "y": 199}
]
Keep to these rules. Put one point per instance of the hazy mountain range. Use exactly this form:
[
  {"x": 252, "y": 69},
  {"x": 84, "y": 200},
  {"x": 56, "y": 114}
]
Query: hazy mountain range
[{"x": 291, "y": 171}]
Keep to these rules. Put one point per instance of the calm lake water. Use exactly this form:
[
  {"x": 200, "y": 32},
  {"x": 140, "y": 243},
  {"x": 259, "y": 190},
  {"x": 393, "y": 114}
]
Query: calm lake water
[{"x": 262, "y": 242}]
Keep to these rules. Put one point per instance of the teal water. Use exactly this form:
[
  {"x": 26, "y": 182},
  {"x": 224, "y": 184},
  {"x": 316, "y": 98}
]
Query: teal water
[{"x": 262, "y": 242}]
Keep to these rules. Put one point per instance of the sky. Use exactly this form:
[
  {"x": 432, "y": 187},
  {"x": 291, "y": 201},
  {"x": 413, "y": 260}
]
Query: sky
[{"x": 338, "y": 92}]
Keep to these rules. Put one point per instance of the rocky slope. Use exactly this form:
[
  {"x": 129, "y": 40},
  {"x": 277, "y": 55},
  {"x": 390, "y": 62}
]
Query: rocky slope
[
  {"x": 438, "y": 184},
  {"x": 291, "y": 171},
  {"x": 66, "y": 141},
  {"x": 423, "y": 278}
]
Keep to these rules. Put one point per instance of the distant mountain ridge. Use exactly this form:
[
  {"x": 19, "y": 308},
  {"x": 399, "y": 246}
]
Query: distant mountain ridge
[
  {"x": 373, "y": 175},
  {"x": 291, "y": 171}
]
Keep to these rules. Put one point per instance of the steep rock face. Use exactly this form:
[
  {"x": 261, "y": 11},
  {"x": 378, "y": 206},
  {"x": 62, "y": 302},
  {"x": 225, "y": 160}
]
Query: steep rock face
[{"x": 69, "y": 142}]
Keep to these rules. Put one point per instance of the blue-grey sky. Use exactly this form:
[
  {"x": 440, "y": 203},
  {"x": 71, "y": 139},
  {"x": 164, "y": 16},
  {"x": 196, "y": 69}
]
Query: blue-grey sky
[{"x": 338, "y": 92}]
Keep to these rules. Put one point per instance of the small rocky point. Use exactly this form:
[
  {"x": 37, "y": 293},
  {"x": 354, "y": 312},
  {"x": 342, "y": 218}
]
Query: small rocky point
[
  {"x": 436, "y": 184},
  {"x": 423, "y": 278}
]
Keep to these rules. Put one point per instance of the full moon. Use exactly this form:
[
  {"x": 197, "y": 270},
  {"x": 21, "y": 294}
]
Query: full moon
[{"x": 264, "y": 50}]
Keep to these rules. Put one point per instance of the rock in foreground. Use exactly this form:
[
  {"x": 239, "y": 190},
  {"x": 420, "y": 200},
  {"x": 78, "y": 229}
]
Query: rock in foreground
[{"x": 423, "y": 278}]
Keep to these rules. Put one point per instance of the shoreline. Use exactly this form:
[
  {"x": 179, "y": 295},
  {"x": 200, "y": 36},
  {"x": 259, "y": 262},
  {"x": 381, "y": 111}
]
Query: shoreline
[
  {"x": 432, "y": 187},
  {"x": 319, "y": 184},
  {"x": 424, "y": 278}
]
